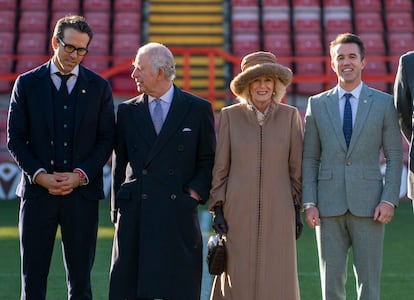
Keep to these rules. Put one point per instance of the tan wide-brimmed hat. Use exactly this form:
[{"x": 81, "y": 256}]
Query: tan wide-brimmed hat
[{"x": 258, "y": 64}]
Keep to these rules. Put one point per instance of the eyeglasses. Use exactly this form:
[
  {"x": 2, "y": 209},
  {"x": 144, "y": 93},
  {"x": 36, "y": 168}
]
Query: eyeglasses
[{"x": 70, "y": 48}]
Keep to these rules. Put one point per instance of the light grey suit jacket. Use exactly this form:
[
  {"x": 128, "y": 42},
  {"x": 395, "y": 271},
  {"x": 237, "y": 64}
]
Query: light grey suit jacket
[
  {"x": 338, "y": 179},
  {"x": 404, "y": 99}
]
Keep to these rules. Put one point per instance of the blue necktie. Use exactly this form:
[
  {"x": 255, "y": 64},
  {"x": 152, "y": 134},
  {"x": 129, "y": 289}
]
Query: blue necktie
[
  {"x": 347, "y": 125},
  {"x": 157, "y": 117}
]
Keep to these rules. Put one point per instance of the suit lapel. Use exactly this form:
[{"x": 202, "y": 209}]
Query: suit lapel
[
  {"x": 178, "y": 110},
  {"x": 332, "y": 106},
  {"x": 45, "y": 87},
  {"x": 81, "y": 95},
  {"x": 364, "y": 105}
]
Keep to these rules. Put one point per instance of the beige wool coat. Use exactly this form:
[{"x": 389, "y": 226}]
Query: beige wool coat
[{"x": 257, "y": 174}]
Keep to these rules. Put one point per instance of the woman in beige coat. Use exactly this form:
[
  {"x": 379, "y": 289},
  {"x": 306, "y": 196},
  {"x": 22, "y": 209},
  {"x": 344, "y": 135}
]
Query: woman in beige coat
[{"x": 256, "y": 177}]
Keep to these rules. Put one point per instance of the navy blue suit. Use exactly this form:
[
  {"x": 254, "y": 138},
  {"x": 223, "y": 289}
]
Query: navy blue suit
[
  {"x": 32, "y": 141},
  {"x": 158, "y": 245}
]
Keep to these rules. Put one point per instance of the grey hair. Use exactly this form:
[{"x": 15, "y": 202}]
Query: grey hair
[{"x": 161, "y": 58}]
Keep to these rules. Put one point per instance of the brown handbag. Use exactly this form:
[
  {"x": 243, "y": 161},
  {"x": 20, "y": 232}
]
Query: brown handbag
[{"x": 216, "y": 255}]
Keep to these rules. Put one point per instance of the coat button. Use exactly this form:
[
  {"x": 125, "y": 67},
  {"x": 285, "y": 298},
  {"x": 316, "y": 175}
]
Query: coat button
[
  {"x": 144, "y": 196},
  {"x": 170, "y": 172},
  {"x": 173, "y": 196},
  {"x": 180, "y": 147},
  {"x": 144, "y": 172}
]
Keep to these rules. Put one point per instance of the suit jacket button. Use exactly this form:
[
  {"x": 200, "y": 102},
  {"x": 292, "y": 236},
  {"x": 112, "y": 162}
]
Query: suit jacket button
[
  {"x": 170, "y": 172},
  {"x": 144, "y": 196},
  {"x": 180, "y": 147},
  {"x": 173, "y": 196},
  {"x": 144, "y": 172},
  {"x": 348, "y": 163}
]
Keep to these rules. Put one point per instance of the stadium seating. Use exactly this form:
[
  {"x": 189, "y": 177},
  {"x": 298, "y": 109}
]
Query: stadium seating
[
  {"x": 65, "y": 5},
  {"x": 7, "y": 20}
]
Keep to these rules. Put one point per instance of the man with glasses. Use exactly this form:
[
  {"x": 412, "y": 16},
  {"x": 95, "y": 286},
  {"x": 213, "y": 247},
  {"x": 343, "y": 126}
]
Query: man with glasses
[{"x": 60, "y": 132}]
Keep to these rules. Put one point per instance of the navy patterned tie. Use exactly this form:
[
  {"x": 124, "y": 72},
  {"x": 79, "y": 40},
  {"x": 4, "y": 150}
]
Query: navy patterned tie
[
  {"x": 157, "y": 117},
  {"x": 347, "y": 125}
]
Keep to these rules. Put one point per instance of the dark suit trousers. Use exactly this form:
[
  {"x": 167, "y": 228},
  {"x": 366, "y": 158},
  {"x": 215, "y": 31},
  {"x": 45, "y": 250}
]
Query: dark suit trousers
[{"x": 39, "y": 220}]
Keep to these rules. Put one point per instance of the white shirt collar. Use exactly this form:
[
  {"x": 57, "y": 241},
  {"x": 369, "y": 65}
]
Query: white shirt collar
[
  {"x": 167, "y": 97},
  {"x": 356, "y": 92},
  {"x": 54, "y": 69}
]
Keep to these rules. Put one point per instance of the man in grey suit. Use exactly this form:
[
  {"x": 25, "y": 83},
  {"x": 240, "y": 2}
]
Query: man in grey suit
[
  {"x": 344, "y": 195},
  {"x": 403, "y": 97}
]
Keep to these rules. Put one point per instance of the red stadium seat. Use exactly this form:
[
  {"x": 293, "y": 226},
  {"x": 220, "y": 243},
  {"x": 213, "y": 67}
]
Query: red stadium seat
[
  {"x": 96, "y": 5},
  {"x": 275, "y": 3},
  {"x": 235, "y": 3},
  {"x": 307, "y": 19},
  {"x": 375, "y": 68},
  {"x": 5, "y": 68},
  {"x": 65, "y": 5},
  {"x": 297, "y": 3},
  {"x": 398, "y": 5},
  {"x": 32, "y": 43},
  {"x": 400, "y": 21},
  {"x": 367, "y": 5},
  {"x": 123, "y": 84},
  {"x": 125, "y": 44},
  {"x": 99, "y": 21},
  {"x": 7, "y": 20},
  {"x": 245, "y": 43},
  {"x": 33, "y": 21},
  {"x": 7, "y": 4},
  {"x": 373, "y": 42},
  {"x": 278, "y": 43},
  {"x": 127, "y": 5},
  {"x": 276, "y": 19},
  {"x": 245, "y": 19},
  {"x": 368, "y": 21},
  {"x": 39, "y": 5},
  {"x": 99, "y": 44},
  {"x": 125, "y": 22},
  {"x": 27, "y": 63},
  {"x": 399, "y": 43},
  {"x": 97, "y": 64},
  {"x": 338, "y": 21},
  {"x": 6, "y": 43},
  {"x": 336, "y": 3},
  {"x": 308, "y": 43},
  {"x": 309, "y": 70}
]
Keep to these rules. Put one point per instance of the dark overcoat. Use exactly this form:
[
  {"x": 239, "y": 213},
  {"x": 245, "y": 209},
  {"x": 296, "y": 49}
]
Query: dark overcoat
[{"x": 158, "y": 244}]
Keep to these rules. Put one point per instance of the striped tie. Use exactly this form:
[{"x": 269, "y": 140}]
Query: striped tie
[{"x": 347, "y": 125}]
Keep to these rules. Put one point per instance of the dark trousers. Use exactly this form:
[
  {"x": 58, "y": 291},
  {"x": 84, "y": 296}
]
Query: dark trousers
[{"x": 38, "y": 223}]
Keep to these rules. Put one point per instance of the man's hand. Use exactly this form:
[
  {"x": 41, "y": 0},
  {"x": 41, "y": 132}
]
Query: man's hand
[
  {"x": 312, "y": 217},
  {"x": 58, "y": 183},
  {"x": 384, "y": 212}
]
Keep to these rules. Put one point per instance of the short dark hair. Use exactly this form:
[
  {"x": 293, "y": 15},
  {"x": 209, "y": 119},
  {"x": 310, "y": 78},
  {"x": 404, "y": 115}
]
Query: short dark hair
[
  {"x": 349, "y": 38},
  {"x": 76, "y": 22}
]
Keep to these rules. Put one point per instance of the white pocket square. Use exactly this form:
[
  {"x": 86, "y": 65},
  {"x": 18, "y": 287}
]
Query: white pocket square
[{"x": 186, "y": 129}]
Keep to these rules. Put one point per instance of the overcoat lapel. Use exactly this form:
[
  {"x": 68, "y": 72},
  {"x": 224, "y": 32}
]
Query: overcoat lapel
[
  {"x": 178, "y": 111},
  {"x": 142, "y": 118}
]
